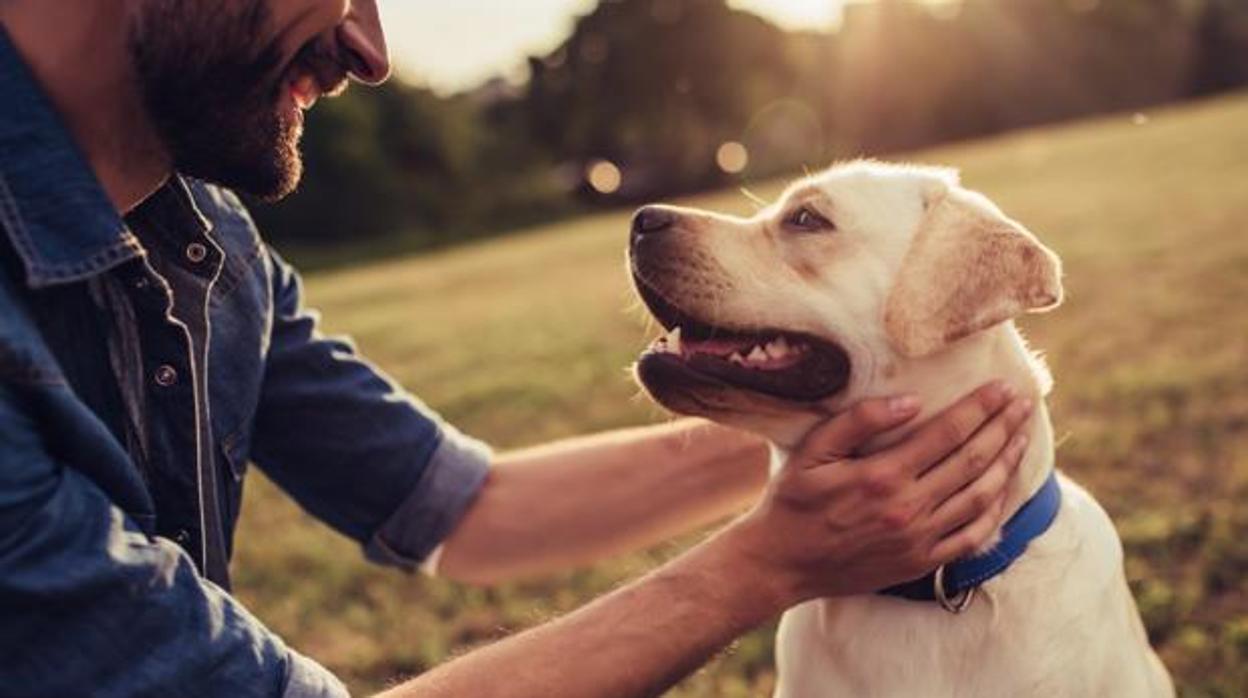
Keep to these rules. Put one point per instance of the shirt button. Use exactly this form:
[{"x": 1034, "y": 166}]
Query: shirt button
[
  {"x": 141, "y": 283},
  {"x": 166, "y": 376},
  {"x": 182, "y": 537},
  {"x": 196, "y": 252}
]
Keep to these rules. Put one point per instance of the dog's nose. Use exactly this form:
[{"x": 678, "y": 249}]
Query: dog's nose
[{"x": 652, "y": 219}]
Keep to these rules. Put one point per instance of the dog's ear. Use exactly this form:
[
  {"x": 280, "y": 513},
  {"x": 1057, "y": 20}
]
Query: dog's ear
[{"x": 968, "y": 268}]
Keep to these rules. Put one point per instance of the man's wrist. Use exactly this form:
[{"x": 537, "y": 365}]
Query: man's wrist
[{"x": 751, "y": 588}]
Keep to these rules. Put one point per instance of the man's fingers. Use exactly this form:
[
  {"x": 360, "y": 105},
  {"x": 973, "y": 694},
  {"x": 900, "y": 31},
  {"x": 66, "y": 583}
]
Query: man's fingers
[
  {"x": 841, "y": 435},
  {"x": 979, "y": 497},
  {"x": 953, "y": 427},
  {"x": 991, "y": 442},
  {"x": 964, "y": 541}
]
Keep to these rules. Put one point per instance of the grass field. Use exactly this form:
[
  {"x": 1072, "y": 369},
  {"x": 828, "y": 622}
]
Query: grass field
[{"x": 527, "y": 338}]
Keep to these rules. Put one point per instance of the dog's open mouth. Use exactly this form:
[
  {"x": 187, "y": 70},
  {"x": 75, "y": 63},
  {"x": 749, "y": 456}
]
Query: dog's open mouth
[{"x": 778, "y": 363}]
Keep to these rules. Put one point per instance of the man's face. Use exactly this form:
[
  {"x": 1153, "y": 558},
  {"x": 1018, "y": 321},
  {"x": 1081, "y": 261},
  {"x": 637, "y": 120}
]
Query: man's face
[{"x": 225, "y": 82}]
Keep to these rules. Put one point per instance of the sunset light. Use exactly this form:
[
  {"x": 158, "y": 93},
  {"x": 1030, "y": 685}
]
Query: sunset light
[
  {"x": 697, "y": 348},
  {"x": 795, "y": 14},
  {"x": 604, "y": 176}
]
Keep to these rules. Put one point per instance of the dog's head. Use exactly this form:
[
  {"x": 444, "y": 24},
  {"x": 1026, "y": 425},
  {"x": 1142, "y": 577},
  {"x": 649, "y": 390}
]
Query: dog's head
[{"x": 778, "y": 320}]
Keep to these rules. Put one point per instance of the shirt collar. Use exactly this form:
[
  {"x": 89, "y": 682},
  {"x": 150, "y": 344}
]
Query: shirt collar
[{"x": 62, "y": 225}]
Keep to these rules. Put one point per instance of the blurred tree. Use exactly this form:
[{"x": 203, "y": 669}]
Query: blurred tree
[
  {"x": 1223, "y": 36},
  {"x": 363, "y": 154},
  {"x": 658, "y": 86}
]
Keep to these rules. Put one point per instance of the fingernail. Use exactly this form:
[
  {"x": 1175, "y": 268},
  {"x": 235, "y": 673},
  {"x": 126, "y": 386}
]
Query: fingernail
[
  {"x": 904, "y": 404},
  {"x": 1026, "y": 406},
  {"x": 1008, "y": 391},
  {"x": 998, "y": 393}
]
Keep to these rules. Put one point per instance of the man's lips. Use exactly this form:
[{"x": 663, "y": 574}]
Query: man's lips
[
  {"x": 316, "y": 71},
  {"x": 305, "y": 90}
]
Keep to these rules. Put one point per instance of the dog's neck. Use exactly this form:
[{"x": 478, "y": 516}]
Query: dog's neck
[{"x": 942, "y": 379}]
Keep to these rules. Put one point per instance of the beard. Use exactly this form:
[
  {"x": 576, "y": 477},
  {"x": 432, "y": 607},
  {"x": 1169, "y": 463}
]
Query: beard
[{"x": 216, "y": 91}]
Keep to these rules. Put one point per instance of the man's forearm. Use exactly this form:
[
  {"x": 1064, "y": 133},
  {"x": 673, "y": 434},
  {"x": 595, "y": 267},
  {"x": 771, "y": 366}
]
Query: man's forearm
[
  {"x": 830, "y": 525},
  {"x": 637, "y": 641},
  {"x": 577, "y": 501}
]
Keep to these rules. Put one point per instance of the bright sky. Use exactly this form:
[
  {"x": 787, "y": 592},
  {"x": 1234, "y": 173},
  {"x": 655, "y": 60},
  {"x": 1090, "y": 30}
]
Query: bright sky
[{"x": 456, "y": 44}]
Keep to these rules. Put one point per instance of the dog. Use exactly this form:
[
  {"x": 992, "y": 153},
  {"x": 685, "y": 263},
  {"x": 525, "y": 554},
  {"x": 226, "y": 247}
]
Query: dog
[{"x": 874, "y": 279}]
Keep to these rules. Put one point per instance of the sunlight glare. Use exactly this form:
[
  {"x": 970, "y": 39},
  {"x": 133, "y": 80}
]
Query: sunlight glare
[
  {"x": 795, "y": 14},
  {"x": 604, "y": 176},
  {"x": 732, "y": 157}
]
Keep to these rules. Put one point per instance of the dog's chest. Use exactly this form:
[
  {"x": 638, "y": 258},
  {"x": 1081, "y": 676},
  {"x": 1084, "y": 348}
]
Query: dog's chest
[
  {"x": 880, "y": 647},
  {"x": 1059, "y": 622}
]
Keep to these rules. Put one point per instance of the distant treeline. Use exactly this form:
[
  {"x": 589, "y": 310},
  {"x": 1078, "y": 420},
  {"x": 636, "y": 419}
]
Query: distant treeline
[{"x": 647, "y": 93}]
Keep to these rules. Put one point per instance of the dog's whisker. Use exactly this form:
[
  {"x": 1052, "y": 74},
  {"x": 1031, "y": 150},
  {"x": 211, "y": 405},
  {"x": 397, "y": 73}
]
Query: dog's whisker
[
  {"x": 648, "y": 323},
  {"x": 759, "y": 202}
]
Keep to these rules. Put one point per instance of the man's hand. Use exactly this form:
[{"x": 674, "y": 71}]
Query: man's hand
[{"x": 832, "y": 524}]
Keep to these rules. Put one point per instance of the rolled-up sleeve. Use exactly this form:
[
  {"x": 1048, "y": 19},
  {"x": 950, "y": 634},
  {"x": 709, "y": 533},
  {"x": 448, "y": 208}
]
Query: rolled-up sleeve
[
  {"x": 307, "y": 679},
  {"x": 351, "y": 446},
  {"x": 93, "y": 606}
]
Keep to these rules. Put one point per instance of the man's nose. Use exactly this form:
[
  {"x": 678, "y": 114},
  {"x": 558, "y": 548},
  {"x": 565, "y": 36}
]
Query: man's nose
[{"x": 364, "y": 42}]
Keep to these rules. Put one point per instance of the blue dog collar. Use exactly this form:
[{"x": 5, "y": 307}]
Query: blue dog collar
[{"x": 953, "y": 585}]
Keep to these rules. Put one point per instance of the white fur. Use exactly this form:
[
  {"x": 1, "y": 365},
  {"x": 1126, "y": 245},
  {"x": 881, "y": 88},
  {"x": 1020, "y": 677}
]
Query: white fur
[{"x": 1061, "y": 621}]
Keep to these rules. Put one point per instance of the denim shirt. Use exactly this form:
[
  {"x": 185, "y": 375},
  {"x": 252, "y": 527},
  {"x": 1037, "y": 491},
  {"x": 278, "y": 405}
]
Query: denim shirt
[{"x": 144, "y": 362}]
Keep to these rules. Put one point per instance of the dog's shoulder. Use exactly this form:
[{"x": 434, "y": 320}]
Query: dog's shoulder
[{"x": 1080, "y": 555}]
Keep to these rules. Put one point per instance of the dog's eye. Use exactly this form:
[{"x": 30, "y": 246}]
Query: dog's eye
[{"x": 808, "y": 220}]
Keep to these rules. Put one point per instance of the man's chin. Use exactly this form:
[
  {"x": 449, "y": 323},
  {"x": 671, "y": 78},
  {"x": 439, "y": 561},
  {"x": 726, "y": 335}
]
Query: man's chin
[
  {"x": 263, "y": 182},
  {"x": 269, "y": 176},
  {"x": 281, "y": 184}
]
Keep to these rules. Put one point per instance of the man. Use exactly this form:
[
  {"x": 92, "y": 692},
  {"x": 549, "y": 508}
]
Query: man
[{"x": 151, "y": 345}]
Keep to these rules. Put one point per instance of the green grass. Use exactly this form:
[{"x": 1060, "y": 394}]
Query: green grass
[{"x": 527, "y": 338}]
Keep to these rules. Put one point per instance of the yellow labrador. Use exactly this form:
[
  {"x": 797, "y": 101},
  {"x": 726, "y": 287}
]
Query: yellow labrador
[{"x": 873, "y": 279}]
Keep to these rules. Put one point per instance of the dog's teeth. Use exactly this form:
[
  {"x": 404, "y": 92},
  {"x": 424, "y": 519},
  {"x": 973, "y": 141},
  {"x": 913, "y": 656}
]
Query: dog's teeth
[
  {"x": 736, "y": 358},
  {"x": 778, "y": 349},
  {"x": 673, "y": 341},
  {"x": 757, "y": 355}
]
